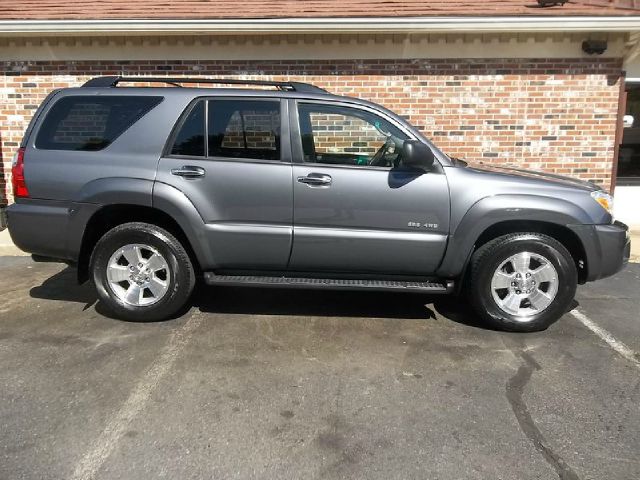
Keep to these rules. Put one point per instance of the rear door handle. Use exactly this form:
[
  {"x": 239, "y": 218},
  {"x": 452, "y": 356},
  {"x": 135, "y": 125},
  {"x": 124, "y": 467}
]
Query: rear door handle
[
  {"x": 188, "y": 171},
  {"x": 316, "y": 180}
]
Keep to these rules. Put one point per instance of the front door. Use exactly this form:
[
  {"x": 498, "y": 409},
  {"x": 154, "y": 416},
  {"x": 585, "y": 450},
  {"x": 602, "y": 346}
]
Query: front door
[
  {"x": 230, "y": 158},
  {"x": 356, "y": 208}
]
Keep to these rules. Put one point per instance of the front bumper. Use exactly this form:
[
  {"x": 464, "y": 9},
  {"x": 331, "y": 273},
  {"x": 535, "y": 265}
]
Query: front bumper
[
  {"x": 607, "y": 248},
  {"x": 615, "y": 245}
]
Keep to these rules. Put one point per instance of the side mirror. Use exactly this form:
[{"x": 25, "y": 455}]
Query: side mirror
[{"x": 416, "y": 154}]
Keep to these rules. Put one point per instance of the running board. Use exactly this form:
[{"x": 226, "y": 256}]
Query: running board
[{"x": 434, "y": 286}]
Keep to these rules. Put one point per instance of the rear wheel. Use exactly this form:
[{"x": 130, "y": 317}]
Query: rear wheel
[
  {"x": 142, "y": 272},
  {"x": 522, "y": 282}
]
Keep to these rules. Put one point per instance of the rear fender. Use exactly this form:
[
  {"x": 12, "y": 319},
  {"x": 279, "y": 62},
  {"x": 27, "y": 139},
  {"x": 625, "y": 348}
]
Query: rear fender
[
  {"x": 98, "y": 193},
  {"x": 174, "y": 203},
  {"x": 143, "y": 193}
]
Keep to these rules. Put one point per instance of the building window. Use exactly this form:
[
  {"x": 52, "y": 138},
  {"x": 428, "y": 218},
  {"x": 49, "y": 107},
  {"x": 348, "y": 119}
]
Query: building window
[{"x": 629, "y": 156}]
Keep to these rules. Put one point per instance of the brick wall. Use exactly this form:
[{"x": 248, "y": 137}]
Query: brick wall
[
  {"x": 553, "y": 115},
  {"x": 254, "y": 130},
  {"x": 344, "y": 134},
  {"x": 82, "y": 124}
]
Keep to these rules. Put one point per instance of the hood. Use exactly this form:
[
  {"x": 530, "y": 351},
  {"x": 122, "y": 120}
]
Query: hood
[{"x": 531, "y": 174}]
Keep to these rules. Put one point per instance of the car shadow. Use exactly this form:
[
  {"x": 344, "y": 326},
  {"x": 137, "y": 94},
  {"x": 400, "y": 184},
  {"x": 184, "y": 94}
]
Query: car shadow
[
  {"x": 273, "y": 301},
  {"x": 64, "y": 286},
  {"x": 314, "y": 303}
]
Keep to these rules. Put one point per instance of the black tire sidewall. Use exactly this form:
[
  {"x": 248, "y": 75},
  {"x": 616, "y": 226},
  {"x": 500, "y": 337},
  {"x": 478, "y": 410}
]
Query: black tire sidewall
[
  {"x": 180, "y": 276},
  {"x": 548, "y": 248}
]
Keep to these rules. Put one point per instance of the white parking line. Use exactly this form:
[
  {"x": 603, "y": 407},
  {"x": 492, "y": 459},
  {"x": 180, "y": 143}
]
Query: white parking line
[
  {"x": 614, "y": 343},
  {"x": 108, "y": 439}
]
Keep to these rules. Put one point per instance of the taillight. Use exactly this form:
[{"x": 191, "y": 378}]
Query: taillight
[{"x": 17, "y": 175}]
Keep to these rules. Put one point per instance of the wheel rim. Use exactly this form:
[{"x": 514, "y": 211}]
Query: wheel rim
[
  {"x": 138, "y": 275},
  {"x": 525, "y": 284}
]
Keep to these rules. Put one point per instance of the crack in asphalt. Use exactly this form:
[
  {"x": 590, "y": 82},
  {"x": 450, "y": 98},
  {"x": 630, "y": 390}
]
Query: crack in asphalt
[{"x": 514, "y": 392}]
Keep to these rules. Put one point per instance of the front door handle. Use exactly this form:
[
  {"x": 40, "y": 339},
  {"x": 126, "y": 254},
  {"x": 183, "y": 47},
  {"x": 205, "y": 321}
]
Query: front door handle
[
  {"x": 316, "y": 180},
  {"x": 188, "y": 171}
]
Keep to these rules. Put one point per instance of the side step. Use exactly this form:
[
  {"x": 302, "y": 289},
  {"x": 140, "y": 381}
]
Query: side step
[{"x": 444, "y": 286}]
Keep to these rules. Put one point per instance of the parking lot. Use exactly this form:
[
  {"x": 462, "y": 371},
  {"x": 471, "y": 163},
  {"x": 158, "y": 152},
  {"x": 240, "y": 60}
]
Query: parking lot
[{"x": 275, "y": 384}]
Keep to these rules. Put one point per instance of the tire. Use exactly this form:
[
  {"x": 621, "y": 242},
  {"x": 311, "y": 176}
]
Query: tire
[
  {"x": 157, "y": 287},
  {"x": 520, "y": 307}
]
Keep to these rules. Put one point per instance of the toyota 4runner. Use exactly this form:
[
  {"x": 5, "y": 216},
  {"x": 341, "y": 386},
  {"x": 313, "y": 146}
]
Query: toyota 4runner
[{"x": 149, "y": 189}]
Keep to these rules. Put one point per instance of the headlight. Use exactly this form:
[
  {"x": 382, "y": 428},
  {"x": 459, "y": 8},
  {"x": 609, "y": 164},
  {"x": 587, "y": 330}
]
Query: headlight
[{"x": 604, "y": 199}]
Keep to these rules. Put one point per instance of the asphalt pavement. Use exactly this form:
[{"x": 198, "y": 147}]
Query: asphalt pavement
[{"x": 277, "y": 384}]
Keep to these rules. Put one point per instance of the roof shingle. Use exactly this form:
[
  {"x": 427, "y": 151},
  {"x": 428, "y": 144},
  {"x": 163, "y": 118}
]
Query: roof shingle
[{"x": 251, "y": 9}]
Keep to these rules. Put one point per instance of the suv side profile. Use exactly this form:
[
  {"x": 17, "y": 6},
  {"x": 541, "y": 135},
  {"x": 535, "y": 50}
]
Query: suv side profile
[{"x": 148, "y": 189}]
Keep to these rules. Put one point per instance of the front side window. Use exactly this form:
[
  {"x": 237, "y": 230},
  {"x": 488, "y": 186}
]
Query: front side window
[
  {"x": 244, "y": 129},
  {"x": 90, "y": 123},
  {"x": 348, "y": 136}
]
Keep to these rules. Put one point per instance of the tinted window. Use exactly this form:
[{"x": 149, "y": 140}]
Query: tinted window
[
  {"x": 190, "y": 137},
  {"x": 348, "y": 136},
  {"x": 91, "y": 122},
  {"x": 244, "y": 129}
]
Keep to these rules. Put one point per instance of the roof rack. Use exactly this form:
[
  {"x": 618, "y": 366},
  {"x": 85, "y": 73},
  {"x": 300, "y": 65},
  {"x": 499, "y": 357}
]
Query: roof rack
[{"x": 176, "y": 81}]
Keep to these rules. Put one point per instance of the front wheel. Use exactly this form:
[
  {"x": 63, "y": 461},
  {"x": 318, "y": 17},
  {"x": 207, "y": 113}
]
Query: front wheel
[
  {"x": 522, "y": 282},
  {"x": 142, "y": 272}
]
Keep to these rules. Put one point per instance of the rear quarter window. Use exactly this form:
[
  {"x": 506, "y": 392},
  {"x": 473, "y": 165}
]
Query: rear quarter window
[
  {"x": 190, "y": 138},
  {"x": 91, "y": 123}
]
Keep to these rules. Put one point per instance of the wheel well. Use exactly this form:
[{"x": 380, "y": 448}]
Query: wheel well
[
  {"x": 113, "y": 215},
  {"x": 562, "y": 234}
]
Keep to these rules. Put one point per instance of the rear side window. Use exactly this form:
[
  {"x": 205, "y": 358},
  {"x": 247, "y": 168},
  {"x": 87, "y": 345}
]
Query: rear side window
[
  {"x": 244, "y": 129},
  {"x": 90, "y": 123},
  {"x": 229, "y": 128}
]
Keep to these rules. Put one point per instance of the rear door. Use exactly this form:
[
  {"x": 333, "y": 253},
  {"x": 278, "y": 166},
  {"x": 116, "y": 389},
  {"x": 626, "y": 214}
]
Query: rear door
[
  {"x": 231, "y": 157},
  {"x": 356, "y": 208}
]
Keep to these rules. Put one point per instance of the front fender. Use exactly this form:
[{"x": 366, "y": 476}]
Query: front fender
[{"x": 500, "y": 208}]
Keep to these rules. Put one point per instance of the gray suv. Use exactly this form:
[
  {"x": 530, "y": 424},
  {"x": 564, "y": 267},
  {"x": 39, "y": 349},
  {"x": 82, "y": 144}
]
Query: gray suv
[{"x": 149, "y": 189}]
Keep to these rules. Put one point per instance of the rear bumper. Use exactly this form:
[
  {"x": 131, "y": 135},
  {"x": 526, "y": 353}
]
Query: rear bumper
[
  {"x": 39, "y": 227},
  {"x": 49, "y": 228},
  {"x": 3, "y": 218},
  {"x": 607, "y": 248}
]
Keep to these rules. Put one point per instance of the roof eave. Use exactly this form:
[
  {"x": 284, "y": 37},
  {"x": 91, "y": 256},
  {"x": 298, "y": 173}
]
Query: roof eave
[{"x": 486, "y": 24}]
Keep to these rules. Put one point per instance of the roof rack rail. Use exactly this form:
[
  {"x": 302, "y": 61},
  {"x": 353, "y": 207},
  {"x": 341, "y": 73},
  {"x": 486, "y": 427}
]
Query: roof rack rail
[{"x": 176, "y": 81}]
